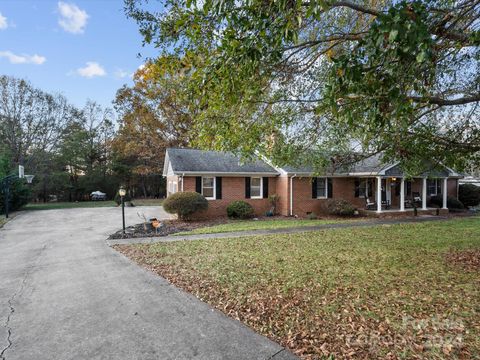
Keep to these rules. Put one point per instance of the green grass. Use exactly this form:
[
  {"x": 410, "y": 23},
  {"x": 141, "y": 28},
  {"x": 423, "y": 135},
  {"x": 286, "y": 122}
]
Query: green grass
[
  {"x": 68, "y": 205},
  {"x": 3, "y": 220},
  {"x": 362, "y": 291},
  {"x": 88, "y": 204},
  {"x": 243, "y": 225}
]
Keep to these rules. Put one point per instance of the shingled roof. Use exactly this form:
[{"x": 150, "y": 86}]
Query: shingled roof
[{"x": 191, "y": 161}]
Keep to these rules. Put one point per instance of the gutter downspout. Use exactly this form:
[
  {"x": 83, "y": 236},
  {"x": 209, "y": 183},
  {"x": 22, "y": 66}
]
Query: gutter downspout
[
  {"x": 183, "y": 176},
  {"x": 291, "y": 194}
]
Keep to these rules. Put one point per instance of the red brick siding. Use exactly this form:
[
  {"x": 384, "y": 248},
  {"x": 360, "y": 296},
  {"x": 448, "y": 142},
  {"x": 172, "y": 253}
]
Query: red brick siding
[
  {"x": 283, "y": 191},
  {"x": 233, "y": 188}
]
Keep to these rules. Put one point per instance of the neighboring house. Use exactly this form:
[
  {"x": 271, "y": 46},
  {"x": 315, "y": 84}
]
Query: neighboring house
[{"x": 222, "y": 178}]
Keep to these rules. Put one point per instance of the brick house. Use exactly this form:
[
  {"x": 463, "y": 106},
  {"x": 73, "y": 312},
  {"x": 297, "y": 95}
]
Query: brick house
[{"x": 372, "y": 187}]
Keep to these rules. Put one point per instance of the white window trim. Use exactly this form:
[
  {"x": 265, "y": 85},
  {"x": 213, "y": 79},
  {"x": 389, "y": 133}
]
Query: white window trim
[
  {"x": 436, "y": 187},
  {"x": 214, "y": 187},
  {"x": 261, "y": 187},
  {"x": 366, "y": 190},
  {"x": 325, "y": 179}
]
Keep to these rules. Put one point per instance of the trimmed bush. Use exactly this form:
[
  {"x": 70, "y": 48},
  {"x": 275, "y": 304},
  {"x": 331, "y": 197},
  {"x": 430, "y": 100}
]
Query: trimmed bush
[
  {"x": 469, "y": 194},
  {"x": 452, "y": 203},
  {"x": 340, "y": 208},
  {"x": 185, "y": 204},
  {"x": 240, "y": 210}
]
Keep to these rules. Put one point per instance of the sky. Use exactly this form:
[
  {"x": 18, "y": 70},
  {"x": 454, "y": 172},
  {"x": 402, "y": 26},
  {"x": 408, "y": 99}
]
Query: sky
[{"x": 83, "y": 49}]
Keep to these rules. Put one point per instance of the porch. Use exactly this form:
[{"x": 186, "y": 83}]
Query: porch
[{"x": 394, "y": 195}]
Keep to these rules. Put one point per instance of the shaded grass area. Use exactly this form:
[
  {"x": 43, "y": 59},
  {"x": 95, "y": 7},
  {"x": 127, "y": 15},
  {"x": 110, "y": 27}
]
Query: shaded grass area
[
  {"x": 3, "y": 220},
  {"x": 243, "y": 225},
  {"x": 382, "y": 292},
  {"x": 89, "y": 204},
  {"x": 68, "y": 205}
]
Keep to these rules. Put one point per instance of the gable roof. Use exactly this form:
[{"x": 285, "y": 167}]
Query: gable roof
[
  {"x": 371, "y": 165},
  {"x": 198, "y": 162},
  {"x": 193, "y": 161}
]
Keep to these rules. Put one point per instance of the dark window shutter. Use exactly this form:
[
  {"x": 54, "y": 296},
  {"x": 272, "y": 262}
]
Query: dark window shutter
[
  {"x": 314, "y": 187},
  {"x": 330, "y": 188},
  {"x": 409, "y": 188},
  {"x": 357, "y": 187},
  {"x": 247, "y": 188},
  {"x": 370, "y": 187},
  {"x": 198, "y": 184},
  {"x": 218, "y": 187},
  {"x": 397, "y": 188},
  {"x": 439, "y": 186},
  {"x": 265, "y": 187}
]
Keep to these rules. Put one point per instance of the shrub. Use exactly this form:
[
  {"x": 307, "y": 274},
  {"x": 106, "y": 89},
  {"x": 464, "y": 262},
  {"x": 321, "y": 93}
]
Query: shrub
[
  {"x": 185, "y": 204},
  {"x": 312, "y": 216},
  {"x": 469, "y": 194},
  {"x": 452, "y": 203},
  {"x": 240, "y": 210},
  {"x": 340, "y": 207}
]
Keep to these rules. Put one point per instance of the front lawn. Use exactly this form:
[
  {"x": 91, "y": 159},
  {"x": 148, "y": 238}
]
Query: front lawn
[
  {"x": 89, "y": 204},
  {"x": 243, "y": 225},
  {"x": 68, "y": 205},
  {"x": 383, "y": 292}
]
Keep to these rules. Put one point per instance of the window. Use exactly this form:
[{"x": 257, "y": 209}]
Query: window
[
  {"x": 433, "y": 187},
  {"x": 208, "y": 187},
  {"x": 364, "y": 189},
  {"x": 322, "y": 184},
  {"x": 256, "y": 187}
]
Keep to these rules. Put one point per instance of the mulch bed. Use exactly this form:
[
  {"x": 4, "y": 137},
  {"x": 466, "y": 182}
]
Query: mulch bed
[
  {"x": 466, "y": 259},
  {"x": 168, "y": 227}
]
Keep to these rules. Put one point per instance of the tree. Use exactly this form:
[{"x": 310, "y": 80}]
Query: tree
[
  {"x": 153, "y": 115},
  {"x": 316, "y": 80}
]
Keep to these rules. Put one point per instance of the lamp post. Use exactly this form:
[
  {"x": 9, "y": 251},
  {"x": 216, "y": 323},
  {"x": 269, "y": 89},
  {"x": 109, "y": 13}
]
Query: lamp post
[
  {"x": 122, "y": 192},
  {"x": 5, "y": 185}
]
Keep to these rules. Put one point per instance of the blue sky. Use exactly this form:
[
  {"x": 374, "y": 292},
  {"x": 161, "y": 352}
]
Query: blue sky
[{"x": 81, "y": 49}]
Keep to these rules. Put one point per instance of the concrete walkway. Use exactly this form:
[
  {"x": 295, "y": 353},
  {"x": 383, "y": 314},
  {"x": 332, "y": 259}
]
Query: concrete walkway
[
  {"x": 65, "y": 294},
  {"x": 292, "y": 230}
]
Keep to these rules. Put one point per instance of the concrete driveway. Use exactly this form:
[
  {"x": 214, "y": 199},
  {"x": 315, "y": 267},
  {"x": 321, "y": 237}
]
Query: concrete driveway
[{"x": 65, "y": 294}]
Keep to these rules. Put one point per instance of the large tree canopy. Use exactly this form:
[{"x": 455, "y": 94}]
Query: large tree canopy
[{"x": 313, "y": 80}]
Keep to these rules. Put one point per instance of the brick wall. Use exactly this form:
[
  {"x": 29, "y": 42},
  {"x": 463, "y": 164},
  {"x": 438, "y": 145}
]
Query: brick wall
[
  {"x": 233, "y": 188},
  {"x": 283, "y": 190}
]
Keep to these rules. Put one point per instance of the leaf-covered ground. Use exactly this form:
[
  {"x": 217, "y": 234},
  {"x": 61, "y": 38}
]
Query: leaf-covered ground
[{"x": 383, "y": 292}]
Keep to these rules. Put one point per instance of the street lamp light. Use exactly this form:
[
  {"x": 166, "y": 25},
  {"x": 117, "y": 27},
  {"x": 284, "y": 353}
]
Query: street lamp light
[{"x": 122, "y": 192}]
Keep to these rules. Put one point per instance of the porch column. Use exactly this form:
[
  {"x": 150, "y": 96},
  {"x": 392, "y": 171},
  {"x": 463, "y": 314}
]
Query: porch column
[
  {"x": 424, "y": 194},
  {"x": 379, "y": 194},
  {"x": 402, "y": 194},
  {"x": 445, "y": 193}
]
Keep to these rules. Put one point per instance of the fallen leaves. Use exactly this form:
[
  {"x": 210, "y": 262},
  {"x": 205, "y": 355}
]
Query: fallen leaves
[{"x": 381, "y": 300}]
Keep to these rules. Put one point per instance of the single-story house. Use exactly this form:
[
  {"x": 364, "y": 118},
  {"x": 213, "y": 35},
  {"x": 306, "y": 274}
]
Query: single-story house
[{"x": 369, "y": 185}]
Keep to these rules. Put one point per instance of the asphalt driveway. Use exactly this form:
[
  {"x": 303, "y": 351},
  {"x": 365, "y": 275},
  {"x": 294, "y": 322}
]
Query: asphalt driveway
[{"x": 65, "y": 294}]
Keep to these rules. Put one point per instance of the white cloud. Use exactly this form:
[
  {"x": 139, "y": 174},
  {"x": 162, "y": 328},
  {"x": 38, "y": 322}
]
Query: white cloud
[
  {"x": 72, "y": 18},
  {"x": 23, "y": 58},
  {"x": 3, "y": 22},
  {"x": 91, "y": 69}
]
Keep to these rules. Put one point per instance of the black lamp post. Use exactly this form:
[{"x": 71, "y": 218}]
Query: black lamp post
[
  {"x": 122, "y": 192},
  {"x": 5, "y": 186}
]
